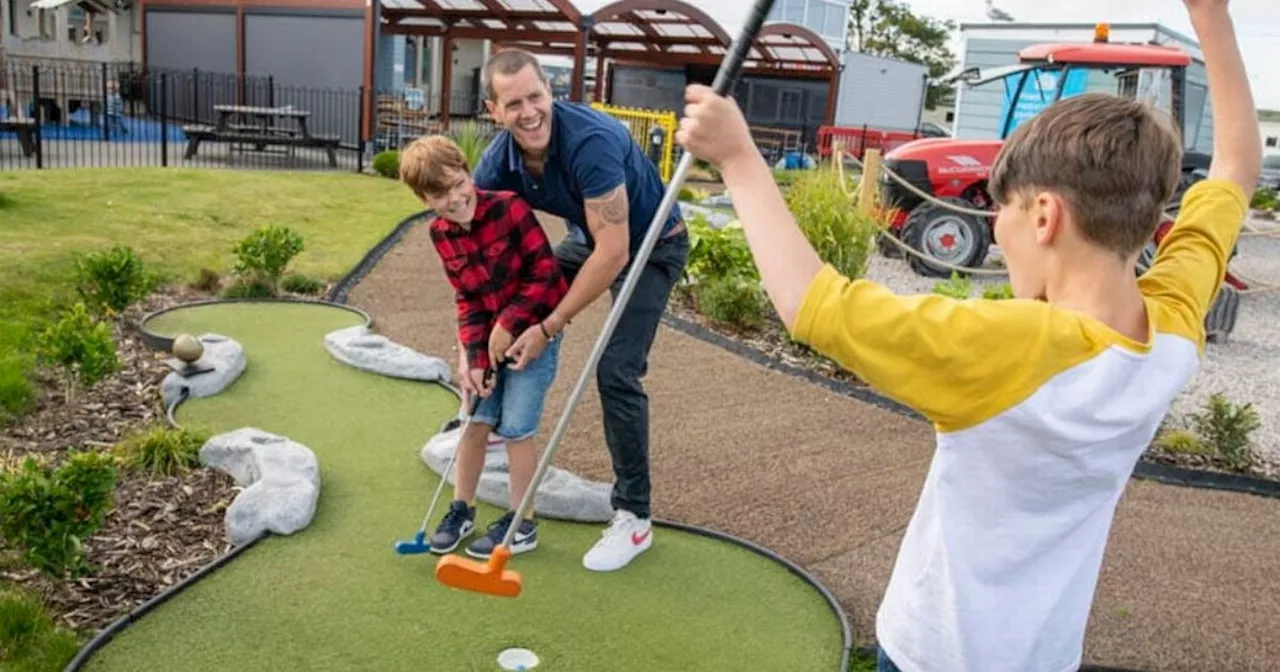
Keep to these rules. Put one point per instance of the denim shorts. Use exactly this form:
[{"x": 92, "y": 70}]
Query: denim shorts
[{"x": 514, "y": 407}]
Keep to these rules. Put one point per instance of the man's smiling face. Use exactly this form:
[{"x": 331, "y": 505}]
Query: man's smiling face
[{"x": 522, "y": 104}]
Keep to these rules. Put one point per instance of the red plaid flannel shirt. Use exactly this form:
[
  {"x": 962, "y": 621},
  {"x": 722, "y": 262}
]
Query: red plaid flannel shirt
[{"x": 502, "y": 270}]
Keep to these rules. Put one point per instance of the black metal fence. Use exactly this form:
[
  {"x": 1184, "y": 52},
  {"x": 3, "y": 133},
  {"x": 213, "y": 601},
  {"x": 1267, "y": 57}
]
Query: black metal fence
[{"x": 62, "y": 115}]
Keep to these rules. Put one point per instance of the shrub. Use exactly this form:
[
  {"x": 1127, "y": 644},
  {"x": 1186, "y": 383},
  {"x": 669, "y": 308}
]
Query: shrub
[
  {"x": 208, "y": 280},
  {"x": 112, "y": 279},
  {"x": 998, "y": 292},
  {"x": 841, "y": 235},
  {"x": 17, "y": 394},
  {"x": 956, "y": 287},
  {"x": 79, "y": 345},
  {"x": 301, "y": 284},
  {"x": 162, "y": 450},
  {"x": 47, "y": 513},
  {"x": 265, "y": 254},
  {"x": 30, "y": 640},
  {"x": 732, "y": 300},
  {"x": 246, "y": 288},
  {"x": 1225, "y": 428},
  {"x": 472, "y": 139},
  {"x": 387, "y": 164},
  {"x": 718, "y": 253},
  {"x": 1181, "y": 442},
  {"x": 1265, "y": 198}
]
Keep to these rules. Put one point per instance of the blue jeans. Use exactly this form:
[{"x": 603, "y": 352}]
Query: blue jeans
[
  {"x": 514, "y": 408},
  {"x": 883, "y": 664}
]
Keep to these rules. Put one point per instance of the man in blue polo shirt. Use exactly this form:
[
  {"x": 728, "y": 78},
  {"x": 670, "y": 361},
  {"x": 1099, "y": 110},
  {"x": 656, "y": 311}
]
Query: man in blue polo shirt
[{"x": 582, "y": 165}]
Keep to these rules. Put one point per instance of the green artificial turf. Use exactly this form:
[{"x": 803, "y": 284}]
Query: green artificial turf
[{"x": 335, "y": 596}]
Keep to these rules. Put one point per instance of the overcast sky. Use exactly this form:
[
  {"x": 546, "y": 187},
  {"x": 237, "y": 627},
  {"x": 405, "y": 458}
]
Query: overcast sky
[{"x": 1257, "y": 23}]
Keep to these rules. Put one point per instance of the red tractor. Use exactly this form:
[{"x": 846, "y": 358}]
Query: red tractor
[{"x": 955, "y": 171}]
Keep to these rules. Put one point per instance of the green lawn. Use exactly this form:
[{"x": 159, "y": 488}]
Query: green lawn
[
  {"x": 177, "y": 220},
  {"x": 336, "y": 596}
]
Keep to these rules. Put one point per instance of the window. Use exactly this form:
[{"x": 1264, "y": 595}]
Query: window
[
  {"x": 1271, "y": 141},
  {"x": 792, "y": 105},
  {"x": 13, "y": 17},
  {"x": 793, "y": 11}
]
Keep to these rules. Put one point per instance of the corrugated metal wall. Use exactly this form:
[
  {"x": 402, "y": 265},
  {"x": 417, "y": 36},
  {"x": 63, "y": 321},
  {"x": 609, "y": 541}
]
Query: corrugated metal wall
[{"x": 882, "y": 93}]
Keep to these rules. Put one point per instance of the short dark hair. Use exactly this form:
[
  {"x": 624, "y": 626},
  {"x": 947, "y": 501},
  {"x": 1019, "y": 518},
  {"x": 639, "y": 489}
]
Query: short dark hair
[
  {"x": 1114, "y": 161},
  {"x": 508, "y": 62}
]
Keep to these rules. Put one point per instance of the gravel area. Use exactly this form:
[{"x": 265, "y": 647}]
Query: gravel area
[{"x": 1235, "y": 368}]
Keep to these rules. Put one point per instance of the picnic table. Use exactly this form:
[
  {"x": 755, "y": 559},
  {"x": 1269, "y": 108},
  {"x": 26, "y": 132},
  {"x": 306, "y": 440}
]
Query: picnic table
[
  {"x": 257, "y": 126},
  {"x": 25, "y": 130}
]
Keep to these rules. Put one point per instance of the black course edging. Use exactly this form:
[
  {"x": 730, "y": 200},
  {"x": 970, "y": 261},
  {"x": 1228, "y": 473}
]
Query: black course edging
[
  {"x": 337, "y": 298},
  {"x": 1146, "y": 469}
]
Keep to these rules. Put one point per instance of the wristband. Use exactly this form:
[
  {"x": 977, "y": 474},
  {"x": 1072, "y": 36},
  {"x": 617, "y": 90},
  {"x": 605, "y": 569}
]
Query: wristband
[{"x": 543, "y": 328}]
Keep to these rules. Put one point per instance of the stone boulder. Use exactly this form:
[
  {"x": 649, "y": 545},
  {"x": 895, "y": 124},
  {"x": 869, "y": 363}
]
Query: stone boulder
[
  {"x": 562, "y": 495},
  {"x": 223, "y": 355},
  {"x": 359, "y": 347},
  {"x": 280, "y": 477}
]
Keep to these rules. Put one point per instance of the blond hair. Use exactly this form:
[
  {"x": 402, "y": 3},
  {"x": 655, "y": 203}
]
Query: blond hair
[
  {"x": 425, "y": 164},
  {"x": 1113, "y": 161}
]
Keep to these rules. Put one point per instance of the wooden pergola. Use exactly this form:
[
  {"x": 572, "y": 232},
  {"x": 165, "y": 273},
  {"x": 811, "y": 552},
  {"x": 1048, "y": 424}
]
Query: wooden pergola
[
  {"x": 664, "y": 33},
  {"x": 554, "y": 22}
]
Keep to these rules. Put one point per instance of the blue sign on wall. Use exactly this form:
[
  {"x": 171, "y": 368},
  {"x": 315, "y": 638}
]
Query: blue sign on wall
[{"x": 1037, "y": 92}]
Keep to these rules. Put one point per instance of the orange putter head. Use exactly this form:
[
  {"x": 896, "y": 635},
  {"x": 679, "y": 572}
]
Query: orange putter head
[{"x": 491, "y": 577}]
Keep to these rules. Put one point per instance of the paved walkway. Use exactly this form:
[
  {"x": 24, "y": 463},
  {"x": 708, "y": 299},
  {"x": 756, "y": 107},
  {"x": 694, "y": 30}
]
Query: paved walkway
[{"x": 1189, "y": 581}]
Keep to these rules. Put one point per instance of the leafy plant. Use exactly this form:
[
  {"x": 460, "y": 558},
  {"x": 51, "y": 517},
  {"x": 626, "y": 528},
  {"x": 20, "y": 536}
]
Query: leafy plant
[
  {"x": 265, "y": 254},
  {"x": 112, "y": 279},
  {"x": 80, "y": 345},
  {"x": 17, "y": 393},
  {"x": 956, "y": 287},
  {"x": 998, "y": 292},
  {"x": 1265, "y": 198},
  {"x": 30, "y": 640},
  {"x": 732, "y": 300},
  {"x": 47, "y": 512},
  {"x": 1181, "y": 442},
  {"x": 472, "y": 139},
  {"x": 718, "y": 253},
  {"x": 208, "y": 280},
  {"x": 841, "y": 235},
  {"x": 298, "y": 283},
  {"x": 387, "y": 164},
  {"x": 1225, "y": 428},
  {"x": 162, "y": 450}
]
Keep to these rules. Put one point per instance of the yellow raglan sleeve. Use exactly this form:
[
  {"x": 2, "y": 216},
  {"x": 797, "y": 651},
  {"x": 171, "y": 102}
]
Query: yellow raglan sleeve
[
  {"x": 1192, "y": 260},
  {"x": 958, "y": 363}
]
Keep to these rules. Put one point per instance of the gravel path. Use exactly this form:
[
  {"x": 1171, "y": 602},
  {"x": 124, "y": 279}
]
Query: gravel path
[{"x": 1235, "y": 368}]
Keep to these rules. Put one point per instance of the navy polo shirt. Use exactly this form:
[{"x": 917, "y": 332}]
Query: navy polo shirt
[{"x": 590, "y": 154}]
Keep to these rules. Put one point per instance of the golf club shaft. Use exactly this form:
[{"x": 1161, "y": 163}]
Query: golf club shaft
[
  {"x": 724, "y": 81},
  {"x": 471, "y": 409}
]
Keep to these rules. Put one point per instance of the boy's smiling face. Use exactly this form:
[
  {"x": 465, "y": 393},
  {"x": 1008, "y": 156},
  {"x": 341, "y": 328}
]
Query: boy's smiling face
[{"x": 458, "y": 204}]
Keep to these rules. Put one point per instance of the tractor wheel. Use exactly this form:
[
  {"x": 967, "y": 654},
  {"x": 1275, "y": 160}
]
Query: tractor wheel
[
  {"x": 886, "y": 248},
  {"x": 946, "y": 235}
]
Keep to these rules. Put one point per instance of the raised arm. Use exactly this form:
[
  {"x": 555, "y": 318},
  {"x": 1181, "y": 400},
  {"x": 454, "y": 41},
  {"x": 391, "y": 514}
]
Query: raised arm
[
  {"x": 1192, "y": 260},
  {"x": 1237, "y": 143}
]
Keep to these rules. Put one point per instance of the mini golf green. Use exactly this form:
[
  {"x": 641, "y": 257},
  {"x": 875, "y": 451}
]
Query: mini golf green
[{"x": 335, "y": 596}]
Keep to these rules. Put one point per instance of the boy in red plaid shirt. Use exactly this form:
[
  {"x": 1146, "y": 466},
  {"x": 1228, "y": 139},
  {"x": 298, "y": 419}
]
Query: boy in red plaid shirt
[{"x": 507, "y": 279}]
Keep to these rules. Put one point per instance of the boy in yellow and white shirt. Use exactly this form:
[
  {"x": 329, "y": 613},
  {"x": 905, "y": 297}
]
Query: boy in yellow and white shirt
[{"x": 1044, "y": 403}]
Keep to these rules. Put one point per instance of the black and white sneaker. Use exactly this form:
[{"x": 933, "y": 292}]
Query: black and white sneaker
[
  {"x": 458, "y": 523},
  {"x": 524, "y": 540}
]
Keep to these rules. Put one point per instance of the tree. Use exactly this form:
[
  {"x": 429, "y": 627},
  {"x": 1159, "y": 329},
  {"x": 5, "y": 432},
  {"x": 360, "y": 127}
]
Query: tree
[{"x": 889, "y": 28}]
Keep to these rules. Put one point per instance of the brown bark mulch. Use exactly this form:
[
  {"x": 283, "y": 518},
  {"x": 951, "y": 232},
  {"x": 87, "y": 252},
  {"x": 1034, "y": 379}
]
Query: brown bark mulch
[{"x": 830, "y": 483}]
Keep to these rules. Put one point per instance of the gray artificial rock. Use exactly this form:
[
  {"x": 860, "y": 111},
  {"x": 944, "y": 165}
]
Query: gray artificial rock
[
  {"x": 562, "y": 495},
  {"x": 223, "y": 355},
  {"x": 280, "y": 477},
  {"x": 359, "y": 347}
]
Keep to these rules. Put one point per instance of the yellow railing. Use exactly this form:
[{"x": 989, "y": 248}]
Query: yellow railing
[{"x": 640, "y": 123}]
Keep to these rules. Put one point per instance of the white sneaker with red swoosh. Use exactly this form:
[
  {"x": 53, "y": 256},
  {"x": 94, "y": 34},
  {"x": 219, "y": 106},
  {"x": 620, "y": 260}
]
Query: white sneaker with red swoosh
[{"x": 626, "y": 537}]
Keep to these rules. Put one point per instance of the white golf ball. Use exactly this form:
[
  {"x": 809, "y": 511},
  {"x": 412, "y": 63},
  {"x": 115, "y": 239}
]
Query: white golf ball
[{"x": 517, "y": 659}]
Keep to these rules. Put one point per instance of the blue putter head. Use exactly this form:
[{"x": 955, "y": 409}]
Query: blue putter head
[{"x": 418, "y": 545}]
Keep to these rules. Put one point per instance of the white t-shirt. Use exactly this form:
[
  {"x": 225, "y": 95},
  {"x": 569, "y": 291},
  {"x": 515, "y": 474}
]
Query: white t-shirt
[{"x": 1041, "y": 414}]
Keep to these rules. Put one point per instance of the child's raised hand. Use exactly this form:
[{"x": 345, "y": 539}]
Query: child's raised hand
[
  {"x": 1204, "y": 5},
  {"x": 713, "y": 128}
]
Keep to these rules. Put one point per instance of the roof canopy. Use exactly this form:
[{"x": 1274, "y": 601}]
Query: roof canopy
[{"x": 1105, "y": 53}]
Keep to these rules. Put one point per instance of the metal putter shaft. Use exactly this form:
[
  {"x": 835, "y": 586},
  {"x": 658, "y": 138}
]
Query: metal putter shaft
[{"x": 491, "y": 577}]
